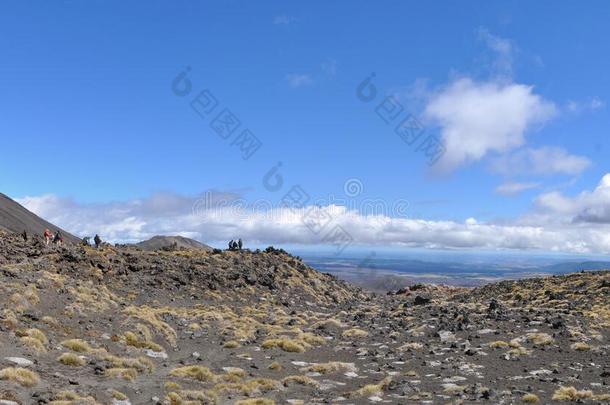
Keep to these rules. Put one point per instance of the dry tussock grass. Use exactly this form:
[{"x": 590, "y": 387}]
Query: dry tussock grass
[
  {"x": 255, "y": 401},
  {"x": 198, "y": 373},
  {"x": 355, "y": 333},
  {"x": 191, "y": 397},
  {"x": 530, "y": 399},
  {"x": 72, "y": 398},
  {"x": 571, "y": 394},
  {"x": 131, "y": 339},
  {"x": 300, "y": 380},
  {"x": 286, "y": 344},
  {"x": 77, "y": 345},
  {"x": 21, "y": 376},
  {"x": 370, "y": 389},
  {"x": 330, "y": 367},
  {"x": 71, "y": 359},
  {"x": 540, "y": 339}
]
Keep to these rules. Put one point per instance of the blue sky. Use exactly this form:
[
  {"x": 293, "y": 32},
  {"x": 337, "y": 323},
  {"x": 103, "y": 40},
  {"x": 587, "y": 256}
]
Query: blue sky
[{"x": 88, "y": 118}]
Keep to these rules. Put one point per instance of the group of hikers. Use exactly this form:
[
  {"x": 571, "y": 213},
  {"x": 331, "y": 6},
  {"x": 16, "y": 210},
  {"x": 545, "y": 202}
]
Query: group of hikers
[
  {"x": 58, "y": 239},
  {"x": 235, "y": 245}
]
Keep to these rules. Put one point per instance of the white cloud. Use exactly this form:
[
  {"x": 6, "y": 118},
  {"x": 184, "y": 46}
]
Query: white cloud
[
  {"x": 504, "y": 50},
  {"x": 588, "y": 207},
  {"x": 591, "y": 104},
  {"x": 478, "y": 118},
  {"x": 547, "y": 160},
  {"x": 512, "y": 188},
  {"x": 298, "y": 80},
  {"x": 558, "y": 223}
]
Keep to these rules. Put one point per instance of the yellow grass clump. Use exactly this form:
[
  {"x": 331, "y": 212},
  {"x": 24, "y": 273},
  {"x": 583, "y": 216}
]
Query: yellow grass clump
[
  {"x": 141, "y": 364},
  {"x": 453, "y": 389},
  {"x": 300, "y": 380},
  {"x": 77, "y": 345},
  {"x": 275, "y": 366},
  {"x": 411, "y": 346},
  {"x": 355, "y": 333},
  {"x": 498, "y": 344},
  {"x": 198, "y": 373},
  {"x": 71, "y": 398},
  {"x": 255, "y": 401},
  {"x": 21, "y": 376},
  {"x": 251, "y": 387},
  {"x": 330, "y": 367},
  {"x": 311, "y": 339},
  {"x": 71, "y": 359},
  {"x": 128, "y": 374},
  {"x": 571, "y": 394},
  {"x": 33, "y": 343},
  {"x": 172, "y": 386},
  {"x": 191, "y": 397},
  {"x": 152, "y": 316},
  {"x": 34, "y": 338},
  {"x": 131, "y": 339},
  {"x": 231, "y": 344},
  {"x": 286, "y": 344},
  {"x": 540, "y": 339},
  {"x": 9, "y": 319},
  {"x": 580, "y": 346},
  {"x": 530, "y": 399},
  {"x": 327, "y": 324},
  {"x": 119, "y": 395},
  {"x": 371, "y": 389}
]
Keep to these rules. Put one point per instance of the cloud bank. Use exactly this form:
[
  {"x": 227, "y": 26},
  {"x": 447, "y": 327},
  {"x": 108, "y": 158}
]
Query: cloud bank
[{"x": 557, "y": 223}]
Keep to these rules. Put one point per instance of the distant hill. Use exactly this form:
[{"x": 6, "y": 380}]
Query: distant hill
[
  {"x": 16, "y": 218},
  {"x": 167, "y": 242}
]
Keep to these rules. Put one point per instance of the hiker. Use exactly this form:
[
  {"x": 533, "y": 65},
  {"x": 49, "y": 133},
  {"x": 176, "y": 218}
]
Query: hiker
[
  {"x": 239, "y": 244},
  {"x": 97, "y": 240},
  {"x": 58, "y": 239},
  {"x": 234, "y": 245},
  {"x": 47, "y": 236},
  {"x": 231, "y": 244},
  {"x": 85, "y": 241},
  {"x": 24, "y": 235}
]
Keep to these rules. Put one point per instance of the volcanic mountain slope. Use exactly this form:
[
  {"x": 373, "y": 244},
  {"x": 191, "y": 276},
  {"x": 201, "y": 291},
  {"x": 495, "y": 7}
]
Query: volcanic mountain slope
[
  {"x": 171, "y": 242},
  {"x": 15, "y": 218},
  {"x": 126, "y": 326}
]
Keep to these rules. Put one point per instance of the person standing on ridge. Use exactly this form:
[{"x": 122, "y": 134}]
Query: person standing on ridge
[
  {"x": 97, "y": 240},
  {"x": 231, "y": 244},
  {"x": 47, "y": 236},
  {"x": 58, "y": 239},
  {"x": 239, "y": 244}
]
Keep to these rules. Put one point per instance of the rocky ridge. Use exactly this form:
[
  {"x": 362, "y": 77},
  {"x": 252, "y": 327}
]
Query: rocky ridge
[{"x": 122, "y": 326}]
